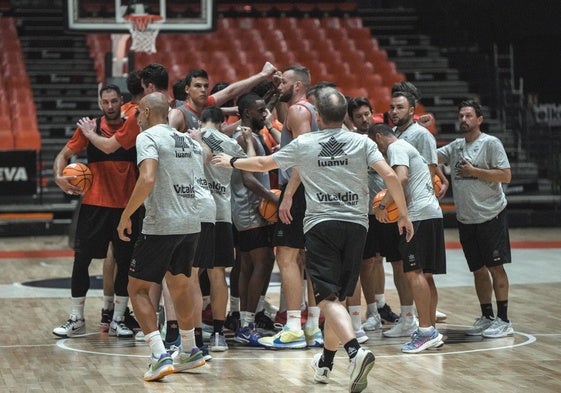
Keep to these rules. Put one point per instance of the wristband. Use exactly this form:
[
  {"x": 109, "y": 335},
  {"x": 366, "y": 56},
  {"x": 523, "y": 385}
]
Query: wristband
[{"x": 232, "y": 160}]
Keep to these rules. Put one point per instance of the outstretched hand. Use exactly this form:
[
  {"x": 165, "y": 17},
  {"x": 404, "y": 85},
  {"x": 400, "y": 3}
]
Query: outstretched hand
[{"x": 87, "y": 126}]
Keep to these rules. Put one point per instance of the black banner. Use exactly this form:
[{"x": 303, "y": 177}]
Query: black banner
[{"x": 18, "y": 172}]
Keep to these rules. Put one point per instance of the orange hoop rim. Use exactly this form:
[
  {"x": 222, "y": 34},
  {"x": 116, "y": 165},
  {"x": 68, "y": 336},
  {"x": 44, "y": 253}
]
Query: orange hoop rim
[{"x": 141, "y": 22}]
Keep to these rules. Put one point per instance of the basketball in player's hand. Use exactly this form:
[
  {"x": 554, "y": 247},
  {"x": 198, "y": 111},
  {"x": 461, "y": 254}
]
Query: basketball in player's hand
[
  {"x": 268, "y": 209},
  {"x": 83, "y": 177},
  {"x": 393, "y": 213}
]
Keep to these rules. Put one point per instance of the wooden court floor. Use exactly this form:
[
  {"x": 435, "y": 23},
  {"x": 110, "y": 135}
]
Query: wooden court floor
[{"x": 32, "y": 359}]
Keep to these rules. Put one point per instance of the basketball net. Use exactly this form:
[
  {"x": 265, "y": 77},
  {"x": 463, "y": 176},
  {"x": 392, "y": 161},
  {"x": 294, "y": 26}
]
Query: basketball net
[{"x": 143, "y": 32}]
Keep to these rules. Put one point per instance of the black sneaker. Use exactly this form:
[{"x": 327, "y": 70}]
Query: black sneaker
[
  {"x": 232, "y": 321},
  {"x": 387, "y": 314},
  {"x": 262, "y": 321},
  {"x": 131, "y": 322}
]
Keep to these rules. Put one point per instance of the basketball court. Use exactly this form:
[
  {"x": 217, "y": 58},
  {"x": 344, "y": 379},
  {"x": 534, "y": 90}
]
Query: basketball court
[{"x": 33, "y": 359}]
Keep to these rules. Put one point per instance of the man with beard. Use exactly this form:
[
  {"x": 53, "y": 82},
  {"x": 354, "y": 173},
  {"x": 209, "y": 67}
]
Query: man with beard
[
  {"x": 289, "y": 232},
  {"x": 114, "y": 172},
  {"x": 480, "y": 166},
  {"x": 254, "y": 233}
]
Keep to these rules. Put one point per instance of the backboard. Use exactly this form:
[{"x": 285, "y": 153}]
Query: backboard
[{"x": 109, "y": 15}]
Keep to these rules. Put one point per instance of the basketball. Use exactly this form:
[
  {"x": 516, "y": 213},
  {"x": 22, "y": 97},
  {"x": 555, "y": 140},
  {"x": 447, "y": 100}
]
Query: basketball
[
  {"x": 84, "y": 177},
  {"x": 393, "y": 213},
  {"x": 268, "y": 209},
  {"x": 436, "y": 184}
]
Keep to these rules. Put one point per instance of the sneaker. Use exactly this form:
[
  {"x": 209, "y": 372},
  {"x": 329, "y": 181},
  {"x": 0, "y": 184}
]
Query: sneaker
[
  {"x": 248, "y": 335},
  {"x": 131, "y": 322},
  {"x": 71, "y": 328},
  {"x": 314, "y": 338},
  {"x": 321, "y": 374},
  {"x": 139, "y": 336},
  {"x": 419, "y": 342},
  {"x": 387, "y": 314},
  {"x": 479, "y": 326},
  {"x": 218, "y": 343},
  {"x": 159, "y": 368},
  {"x": 262, "y": 321},
  {"x": 403, "y": 328},
  {"x": 232, "y": 321},
  {"x": 286, "y": 338},
  {"x": 498, "y": 328},
  {"x": 119, "y": 329},
  {"x": 206, "y": 355},
  {"x": 171, "y": 344},
  {"x": 183, "y": 361},
  {"x": 207, "y": 315},
  {"x": 359, "y": 368},
  {"x": 440, "y": 316},
  {"x": 361, "y": 336},
  {"x": 373, "y": 322},
  {"x": 106, "y": 318}
]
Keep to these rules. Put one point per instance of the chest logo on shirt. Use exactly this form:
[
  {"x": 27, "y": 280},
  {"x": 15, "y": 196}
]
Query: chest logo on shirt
[
  {"x": 184, "y": 190},
  {"x": 332, "y": 153},
  {"x": 214, "y": 144},
  {"x": 183, "y": 143}
]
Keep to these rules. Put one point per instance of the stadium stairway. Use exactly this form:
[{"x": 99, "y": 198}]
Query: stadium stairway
[{"x": 64, "y": 89}]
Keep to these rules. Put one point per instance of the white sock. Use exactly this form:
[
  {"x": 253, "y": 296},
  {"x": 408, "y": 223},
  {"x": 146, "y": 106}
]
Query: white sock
[
  {"x": 294, "y": 319},
  {"x": 187, "y": 339},
  {"x": 304, "y": 294},
  {"x": 77, "y": 309},
  {"x": 108, "y": 303},
  {"x": 354, "y": 312},
  {"x": 380, "y": 299},
  {"x": 372, "y": 309},
  {"x": 120, "y": 308},
  {"x": 246, "y": 318},
  {"x": 156, "y": 343},
  {"x": 261, "y": 304},
  {"x": 312, "y": 322},
  {"x": 206, "y": 301},
  {"x": 234, "y": 304},
  {"x": 407, "y": 311}
]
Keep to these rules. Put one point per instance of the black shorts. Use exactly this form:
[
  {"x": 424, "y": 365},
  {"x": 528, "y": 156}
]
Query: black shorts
[
  {"x": 97, "y": 226},
  {"x": 204, "y": 256},
  {"x": 486, "y": 244},
  {"x": 382, "y": 239},
  {"x": 154, "y": 255},
  {"x": 223, "y": 252},
  {"x": 255, "y": 238},
  {"x": 426, "y": 250},
  {"x": 333, "y": 258},
  {"x": 292, "y": 235}
]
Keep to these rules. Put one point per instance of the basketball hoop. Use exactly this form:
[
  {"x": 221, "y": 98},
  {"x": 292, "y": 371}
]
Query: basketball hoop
[{"x": 144, "y": 31}]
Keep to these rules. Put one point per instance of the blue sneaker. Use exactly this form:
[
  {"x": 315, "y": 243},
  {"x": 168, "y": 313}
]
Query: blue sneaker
[
  {"x": 248, "y": 335},
  {"x": 286, "y": 338},
  {"x": 174, "y": 343},
  {"x": 159, "y": 368},
  {"x": 419, "y": 342},
  {"x": 314, "y": 338}
]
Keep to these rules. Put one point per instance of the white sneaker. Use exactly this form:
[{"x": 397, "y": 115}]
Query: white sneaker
[
  {"x": 183, "y": 361},
  {"x": 361, "y": 336},
  {"x": 373, "y": 322},
  {"x": 404, "y": 327},
  {"x": 139, "y": 336},
  {"x": 119, "y": 329},
  {"x": 440, "y": 316},
  {"x": 321, "y": 374},
  {"x": 498, "y": 329},
  {"x": 217, "y": 343},
  {"x": 71, "y": 328},
  {"x": 479, "y": 326},
  {"x": 359, "y": 367}
]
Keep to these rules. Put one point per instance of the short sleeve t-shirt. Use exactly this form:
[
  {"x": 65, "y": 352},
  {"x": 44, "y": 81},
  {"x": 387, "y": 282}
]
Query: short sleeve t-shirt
[
  {"x": 419, "y": 192},
  {"x": 476, "y": 200},
  {"x": 422, "y": 140},
  {"x": 332, "y": 164},
  {"x": 172, "y": 208}
]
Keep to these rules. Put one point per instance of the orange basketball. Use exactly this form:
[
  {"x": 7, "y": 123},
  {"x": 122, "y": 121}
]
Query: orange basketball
[
  {"x": 436, "y": 184},
  {"x": 84, "y": 177},
  {"x": 393, "y": 213},
  {"x": 268, "y": 209}
]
